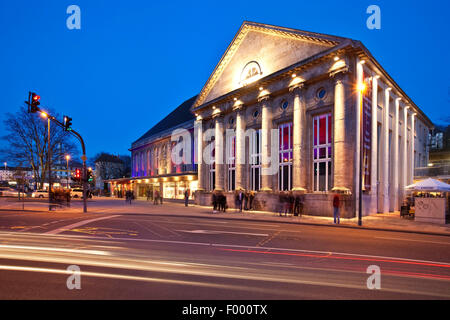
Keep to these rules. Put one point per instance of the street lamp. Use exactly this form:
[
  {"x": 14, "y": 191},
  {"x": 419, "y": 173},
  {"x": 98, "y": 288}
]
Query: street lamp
[
  {"x": 5, "y": 166},
  {"x": 45, "y": 115},
  {"x": 67, "y": 178}
]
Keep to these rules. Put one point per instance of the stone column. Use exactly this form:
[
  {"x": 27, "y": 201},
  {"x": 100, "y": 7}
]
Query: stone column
[
  {"x": 240, "y": 146},
  {"x": 219, "y": 157},
  {"x": 404, "y": 148},
  {"x": 395, "y": 167},
  {"x": 342, "y": 149},
  {"x": 412, "y": 142},
  {"x": 299, "y": 137},
  {"x": 201, "y": 171},
  {"x": 384, "y": 163},
  {"x": 374, "y": 145},
  {"x": 266, "y": 128}
]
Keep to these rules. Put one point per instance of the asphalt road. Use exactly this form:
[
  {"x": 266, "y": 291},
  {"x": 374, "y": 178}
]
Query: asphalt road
[{"x": 127, "y": 255}]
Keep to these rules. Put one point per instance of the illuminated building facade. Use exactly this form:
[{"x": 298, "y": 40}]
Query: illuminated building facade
[
  {"x": 316, "y": 103},
  {"x": 152, "y": 165}
]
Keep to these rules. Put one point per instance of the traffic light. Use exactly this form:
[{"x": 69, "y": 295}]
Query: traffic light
[
  {"x": 77, "y": 174},
  {"x": 67, "y": 123},
  {"x": 90, "y": 176},
  {"x": 34, "y": 103}
]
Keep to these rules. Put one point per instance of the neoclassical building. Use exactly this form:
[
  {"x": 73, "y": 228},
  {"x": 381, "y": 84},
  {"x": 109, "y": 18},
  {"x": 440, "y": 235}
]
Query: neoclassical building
[{"x": 323, "y": 107}]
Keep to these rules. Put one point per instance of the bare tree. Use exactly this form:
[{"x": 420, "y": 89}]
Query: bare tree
[{"x": 27, "y": 143}]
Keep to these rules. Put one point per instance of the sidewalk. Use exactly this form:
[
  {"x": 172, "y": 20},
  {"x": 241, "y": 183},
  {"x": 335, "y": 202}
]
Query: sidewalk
[{"x": 99, "y": 205}]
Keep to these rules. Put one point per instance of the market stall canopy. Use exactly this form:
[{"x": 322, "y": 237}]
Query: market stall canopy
[{"x": 429, "y": 185}]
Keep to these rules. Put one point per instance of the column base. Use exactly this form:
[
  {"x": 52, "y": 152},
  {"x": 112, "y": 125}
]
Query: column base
[
  {"x": 299, "y": 189},
  {"x": 266, "y": 189}
]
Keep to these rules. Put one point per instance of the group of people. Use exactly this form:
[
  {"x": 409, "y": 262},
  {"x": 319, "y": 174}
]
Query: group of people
[
  {"x": 244, "y": 199},
  {"x": 219, "y": 201},
  {"x": 129, "y": 196},
  {"x": 290, "y": 203},
  {"x": 155, "y": 196}
]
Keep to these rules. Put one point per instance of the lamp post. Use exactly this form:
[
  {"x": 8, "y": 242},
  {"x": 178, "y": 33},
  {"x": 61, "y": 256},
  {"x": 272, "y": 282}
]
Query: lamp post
[
  {"x": 67, "y": 178},
  {"x": 45, "y": 115}
]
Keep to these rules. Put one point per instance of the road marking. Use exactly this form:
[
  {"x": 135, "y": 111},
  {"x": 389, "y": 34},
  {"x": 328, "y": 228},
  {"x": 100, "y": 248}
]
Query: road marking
[
  {"x": 220, "y": 232},
  {"x": 78, "y": 224},
  {"x": 15, "y": 248},
  {"x": 415, "y": 240}
]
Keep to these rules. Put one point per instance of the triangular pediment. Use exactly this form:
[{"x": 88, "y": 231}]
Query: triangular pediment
[{"x": 259, "y": 50}]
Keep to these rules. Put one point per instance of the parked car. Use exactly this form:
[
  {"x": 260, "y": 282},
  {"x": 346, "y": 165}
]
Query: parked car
[
  {"x": 40, "y": 194},
  {"x": 76, "y": 193},
  {"x": 8, "y": 192}
]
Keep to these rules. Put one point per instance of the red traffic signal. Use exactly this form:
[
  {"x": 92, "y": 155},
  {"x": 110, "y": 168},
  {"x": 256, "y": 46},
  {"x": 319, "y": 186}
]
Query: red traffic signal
[
  {"x": 34, "y": 102},
  {"x": 77, "y": 173}
]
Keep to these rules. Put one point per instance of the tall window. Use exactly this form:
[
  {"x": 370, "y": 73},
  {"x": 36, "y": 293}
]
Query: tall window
[
  {"x": 212, "y": 166},
  {"x": 255, "y": 160},
  {"x": 285, "y": 170},
  {"x": 322, "y": 129},
  {"x": 142, "y": 164},
  {"x": 231, "y": 162},
  {"x": 156, "y": 161}
]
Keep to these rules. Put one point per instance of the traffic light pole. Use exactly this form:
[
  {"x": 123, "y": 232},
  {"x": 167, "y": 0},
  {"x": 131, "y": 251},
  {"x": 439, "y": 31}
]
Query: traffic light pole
[
  {"x": 84, "y": 176},
  {"x": 33, "y": 102}
]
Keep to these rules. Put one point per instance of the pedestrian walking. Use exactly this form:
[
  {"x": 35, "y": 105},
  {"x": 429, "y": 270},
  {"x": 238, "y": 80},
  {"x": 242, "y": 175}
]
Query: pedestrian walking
[{"x": 336, "y": 212}]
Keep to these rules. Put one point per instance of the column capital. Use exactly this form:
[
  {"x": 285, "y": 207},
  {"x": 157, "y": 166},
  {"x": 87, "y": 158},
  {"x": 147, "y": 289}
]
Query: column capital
[
  {"x": 264, "y": 98},
  {"x": 338, "y": 73},
  {"x": 218, "y": 116},
  {"x": 297, "y": 87},
  {"x": 238, "y": 106}
]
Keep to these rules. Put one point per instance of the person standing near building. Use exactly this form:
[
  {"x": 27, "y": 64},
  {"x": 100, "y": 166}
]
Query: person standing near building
[
  {"x": 240, "y": 199},
  {"x": 251, "y": 198},
  {"x": 186, "y": 197},
  {"x": 214, "y": 200},
  {"x": 336, "y": 212}
]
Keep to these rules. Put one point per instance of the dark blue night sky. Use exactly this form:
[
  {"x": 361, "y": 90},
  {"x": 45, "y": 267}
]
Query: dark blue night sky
[{"x": 132, "y": 62}]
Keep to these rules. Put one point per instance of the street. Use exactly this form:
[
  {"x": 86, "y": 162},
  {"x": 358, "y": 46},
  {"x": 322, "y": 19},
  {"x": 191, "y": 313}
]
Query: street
[{"x": 140, "y": 251}]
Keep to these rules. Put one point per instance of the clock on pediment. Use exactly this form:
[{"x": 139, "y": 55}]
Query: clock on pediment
[{"x": 251, "y": 72}]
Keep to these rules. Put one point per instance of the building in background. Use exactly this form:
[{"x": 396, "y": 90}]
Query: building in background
[
  {"x": 152, "y": 165},
  {"x": 107, "y": 167}
]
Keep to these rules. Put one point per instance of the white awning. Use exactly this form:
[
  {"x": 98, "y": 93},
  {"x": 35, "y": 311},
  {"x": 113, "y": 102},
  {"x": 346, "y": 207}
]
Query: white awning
[{"x": 429, "y": 185}]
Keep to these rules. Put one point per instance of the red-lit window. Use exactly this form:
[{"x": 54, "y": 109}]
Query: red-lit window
[
  {"x": 255, "y": 159},
  {"x": 322, "y": 139},
  {"x": 231, "y": 162},
  {"x": 285, "y": 169}
]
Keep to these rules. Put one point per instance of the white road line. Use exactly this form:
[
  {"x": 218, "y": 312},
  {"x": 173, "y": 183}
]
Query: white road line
[
  {"x": 78, "y": 224},
  {"x": 221, "y": 232},
  {"x": 415, "y": 240}
]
